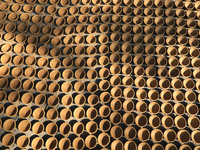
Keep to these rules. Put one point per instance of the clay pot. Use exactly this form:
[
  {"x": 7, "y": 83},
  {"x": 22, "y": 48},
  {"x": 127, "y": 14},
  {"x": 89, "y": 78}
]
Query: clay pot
[
  {"x": 104, "y": 111},
  {"x": 139, "y": 82},
  {"x": 154, "y": 121},
  {"x": 194, "y": 136},
  {"x": 116, "y": 105},
  {"x": 40, "y": 99},
  {"x": 116, "y": 92},
  {"x": 193, "y": 122},
  {"x": 38, "y": 128},
  {"x": 23, "y": 141},
  {"x": 3, "y": 96},
  {"x": 65, "y": 128},
  {"x": 167, "y": 122},
  {"x": 180, "y": 122},
  {"x": 128, "y": 92},
  {"x": 9, "y": 125},
  {"x": 65, "y": 114},
  {"x": 25, "y": 112},
  {"x": 8, "y": 139},
  {"x": 166, "y": 108},
  {"x": 141, "y": 106},
  {"x": 37, "y": 143},
  {"x": 24, "y": 126},
  {"x": 67, "y": 100},
  {"x": 105, "y": 125},
  {"x": 93, "y": 100},
  {"x": 192, "y": 109},
  {"x": 104, "y": 60},
  {"x": 144, "y": 145},
  {"x": 156, "y": 135},
  {"x": 128, "y": 118},
  {"x": 116, "y": 144},
  {"x": 170, "y": 146},
  {"x": 52, "y": 114},
  {"x": 4, "y": 83},
  {"x": 51, "y": 128},
  {"x": 41, "y": 86},
  {"x": 179, "y": 109},
  {"x": 154, "y": 107},
  {"x": 91, "y": 113},
  {"x": 186, "y": 72},
  {"x": 4, "y": 71},
  {"x": 91, "y": 127},
  {"x": 51, "y": 143},
  {"x": 79, "y": 113},
  {"x": 92, "y": 74},
  {"x": 128, "y": 105},
  {"x": 104, "y": 85},
  {"x": 169, "y": 135},
  {"x": 78, "y": 143},
  {"x": 38, "y": 113},
  {"x": 130, "y": 145},
  {"x": 141, "y": 120}
]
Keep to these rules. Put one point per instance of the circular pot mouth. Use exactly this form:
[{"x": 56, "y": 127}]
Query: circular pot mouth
[
  {"x": 91, "y": 141},
  {"x": 91, "y": 127},
  {"x": 31, "y": 49},
  {"x": 103, "y": 139},
  {"x": 64, "y": 143},
  {"x": 130, "y": 133},
  {"x": 37, "y": 19},
  {"x": 105, "y": 125},
  {"x": 104, "y": 60},
  {"x": 39, "y": 9},
  {"x": 91, "y": 113},
  {"x": 43, "y": 50},
  {"x": 10, "y": 27},
  {"x": 16, "y": 7},
  {"x": 27, "y": 98},
  {"x": 4, "y": 71},
  {"x": 116, "y": 144},
  {"x": 9, "y": 36},
  {"x": 79, "y": 113},
  {"x": 56, "y": 41},
  {"x": 62, "y": 12},
  {"x": 104, "y": 111},
  {"x": 128, "y": 105},
  {"x": 66, "y": 114},
  {"x": 154, "y": 107},
  {"x": 167, "y": 121},
  {"x": 78, "y": 143},
  {"x": 143, "y": 134},
  {"x": 80, "y": 99},
  {"x": 166, "y": 108},
  {"x": 17, "y": 72},
  {"x": 15, "y": 84},
  {"x": 51, "y": 128},
  {"x": 40, "y": 99},
  {"x": 116, "y": 92},
  {"x": 48, "y": 19},
  {"x": 3, "y": 16},
  {"x": 25, "y": 112},
  {"x": 193, "y": 122},
  {"x": 91, "y": 50},
  {"x": 128, "y": 92},
  {"x": 34, "y": 29},
  {"x": 41, "y": 86},
  {"x": 179, "y": 109},
  {"x": 141, "y": 120},
  {"x": 38, "y": 128},
  {"x": 127, "y": 69},
  {"x": 37, "y": 143},
  {"x": 78, "y": 128},
  {"x": 92, "y": 74},
  {"x": 24, "y": 126},
  {"x": 54, "y": 75},
  {"x": 7, "y": 47},
  {"x": 93, "y": 100},
  {"x": 23, "y": 141},
  {"x": 61, "y": 21},
  {"x": 154, "y": 121},
  {"x": 141, "y": 106},
  {"x": 25, "y": 17},
  {"x": 51, "y": 143},
  {"x": 65, "y": 128},
  {"x": 43, "y": 62},
  {"x": 8, "y": 139},
  {"x": 43, "y": 74},
  {"x": 28, "y": 8},
  {"x": 68, "y": 62},
  {"x": 66, "y": 87},
  {"x": 180, "y": 122},
  {"x": 156, "y": 135},
  {"x": 115, "y": 118},
  {"x": 3, "y": 95},
  {"x": 79, "y": 86},
  {"x": 105, "y": 97},
  {"x": 128, "y": 118},
  {"x": 192, "y": 109},
  {"x": 190, "y": 96},
  {"x": 51, "y": 9},
  {"x": 18, "y": 60},
  {"x": 55, "y": 63},
  {"x": 55, "y": 52},
  {"x": 13, "y": 97},
  {"x": 39, "y": 113},
  {"x": 188, "y": 84},
  {"x": 9, "y": 125},
  {"x": 116, "y": 105},
  {"x": 170, "y": 135},
  {"x": 67, "y": 74},
  {"x": 53, "y": 100}
]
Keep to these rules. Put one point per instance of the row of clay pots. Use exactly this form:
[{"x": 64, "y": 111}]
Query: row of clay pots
[
  {"x": 104, "y": 49},
  {"x": 138, "y": 60},
  {"x": 103, "y": 139}
]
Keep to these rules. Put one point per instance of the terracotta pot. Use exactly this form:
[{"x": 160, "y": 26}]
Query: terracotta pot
[
  {"x": 116, "y": 105},
  {"x": 38, "y": 128},
  {"x": 117, "y": 144},
  {"x": 91, "y": 127},
  {"x": 141, "y": 106},
  {"x": 41, "y": 86},
  {"x": 192, "y": 109},
  {"x": 65, "y": 114},
  {"x": 53, "y": 100},
  {"x": 154, "y": 107},
  {"x": 128, "y": 92},
  {"x": 38, "y": 113},
  {"x": 24, "y": 126},
  {"x": 166, "y": 108},
  {"x": 91, "y": 113},
  {"x": 105, "y": 125},
  {"x": 78, "y": 143},
  {"x": 93, "y": 100},
  {"x": 37, "y": 143},
  {"x": 170, "y": 146},
  {"x": 65, "y": 128},
  {"x": 51, "y": 128},
  {"x": 25, "y": 112},
  {"x": 180, "y": 122},
  {"x": 40, "y": 99},
  {"x": 51, "y": 143},
  {"x": 23, "y": 141},
  {"x": 9, "y": 125},
  {"x": 116, "y": 92},
  {"x": 79, "y": 113},
  {"x": 152, "y": 83},
  {"x": 141, "y": 120},
  {"x": 11, "y": 111},
  {"x": 3, "y": 96},
  {"x": 128, "y": 105},
  {"x": 92, "y": 74},
  {"x": 52, "y": 114},
  {"x": 104, "y": 60},
  {"x": 8, "y": 139},
  {"x": 154, "y": 121},
  {"x": 104, "y": 73},
  {"x": 169, "y": 135},
  {"x": 128, "y": 118},
  {"x": 193, "y": 122},
  {"x": 167, "y": 122},
  {"x": 179, "y": 108},
  {"x": 104, "y": 111},
  {"x": 140, "y": 82}
]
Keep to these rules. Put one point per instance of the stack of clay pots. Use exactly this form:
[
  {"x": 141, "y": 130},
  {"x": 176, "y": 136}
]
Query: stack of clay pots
[{"x": 100, "y": 74}]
